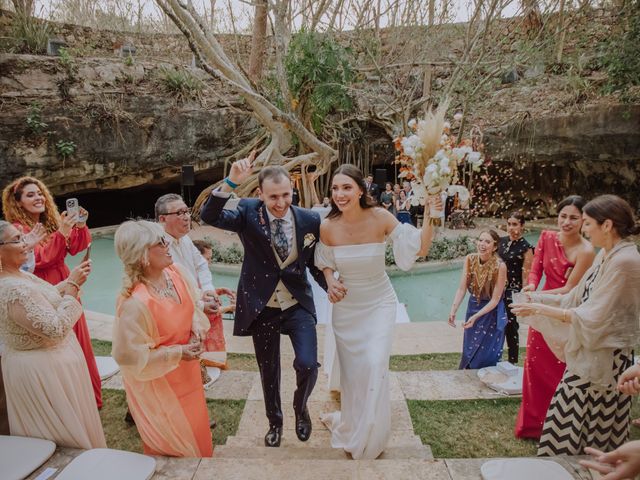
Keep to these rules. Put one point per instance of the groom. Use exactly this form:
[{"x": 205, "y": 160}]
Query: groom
[{"x": 274, "y": 296}]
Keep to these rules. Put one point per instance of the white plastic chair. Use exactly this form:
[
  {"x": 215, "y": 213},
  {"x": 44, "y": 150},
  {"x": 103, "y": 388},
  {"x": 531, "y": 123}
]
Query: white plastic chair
[
  {"x": 20, "y": 456},
  {"x": 523, "y": 469},
  {"x": 107, "y": 464},
  {"x": 107, "y": 367}
]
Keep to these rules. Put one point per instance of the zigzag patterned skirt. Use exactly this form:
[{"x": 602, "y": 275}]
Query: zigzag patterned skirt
[{"x": 581, "y": 416}]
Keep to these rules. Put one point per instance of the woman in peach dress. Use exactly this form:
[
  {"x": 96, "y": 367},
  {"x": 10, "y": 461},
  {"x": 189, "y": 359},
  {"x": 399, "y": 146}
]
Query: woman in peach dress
[{"x": 157, "y": 339}]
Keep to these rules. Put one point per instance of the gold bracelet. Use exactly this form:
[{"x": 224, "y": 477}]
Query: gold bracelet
[
  {"x": 564, "y": 315},
  {"x": 73, "y": 284}
]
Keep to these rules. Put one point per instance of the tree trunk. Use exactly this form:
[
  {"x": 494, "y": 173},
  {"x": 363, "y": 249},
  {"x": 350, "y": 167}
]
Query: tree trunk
[{"x": 258, "y": 41}]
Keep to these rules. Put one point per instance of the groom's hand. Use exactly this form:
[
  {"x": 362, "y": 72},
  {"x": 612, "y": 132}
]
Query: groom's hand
[{"x": 242, "y": 169}]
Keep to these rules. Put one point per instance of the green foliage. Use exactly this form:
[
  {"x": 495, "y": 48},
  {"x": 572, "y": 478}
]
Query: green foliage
[
  {"x": 128, "y": 60},
  {"x": 622, "y": 58},
  {"x": 441, "y": 249},
  {"x": 34, "y": 119},
  {"x": 65, "y": 148},
  {"x": 30, "y": 34},
  {"x": 318, "y": 74},
  {"x": 181, "y": 83},
  {"x": 232, "y": 254},
  {"x": 67, "y": 62}
]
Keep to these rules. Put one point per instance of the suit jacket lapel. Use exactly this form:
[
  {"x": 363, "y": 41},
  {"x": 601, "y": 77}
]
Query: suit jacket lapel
[
  {"x": 265, "y": 228},
  {"x": 299, "y": 227}
]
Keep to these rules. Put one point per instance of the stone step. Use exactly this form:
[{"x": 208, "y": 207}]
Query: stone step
[
  {"x": 327, "y": 453},
  {"x": 254, "y": 422},
  {"x": 320, "y": 439},
  {"x": 311, "y": 469}
]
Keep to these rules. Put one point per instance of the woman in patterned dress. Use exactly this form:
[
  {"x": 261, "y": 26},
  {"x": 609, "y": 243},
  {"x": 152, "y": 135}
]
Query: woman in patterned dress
[{"x": 593, "y": 328}]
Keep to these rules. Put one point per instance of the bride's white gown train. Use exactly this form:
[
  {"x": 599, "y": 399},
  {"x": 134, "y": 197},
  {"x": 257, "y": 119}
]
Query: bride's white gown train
[{"x": 363, "y": 328}]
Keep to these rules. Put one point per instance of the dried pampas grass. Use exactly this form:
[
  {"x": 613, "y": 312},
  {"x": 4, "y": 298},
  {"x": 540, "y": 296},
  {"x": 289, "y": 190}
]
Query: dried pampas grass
[{"x": 430, "y": 131}]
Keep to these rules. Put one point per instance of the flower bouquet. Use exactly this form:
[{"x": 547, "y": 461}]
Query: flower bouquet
[{"x": 429, "y": 157}]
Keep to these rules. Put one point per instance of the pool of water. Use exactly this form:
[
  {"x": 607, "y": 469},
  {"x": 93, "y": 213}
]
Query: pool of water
[{"x": 427, "y": 296}]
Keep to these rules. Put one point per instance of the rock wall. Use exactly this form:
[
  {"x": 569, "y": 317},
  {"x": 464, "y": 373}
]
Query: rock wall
[{"x": 126, "y": 131}]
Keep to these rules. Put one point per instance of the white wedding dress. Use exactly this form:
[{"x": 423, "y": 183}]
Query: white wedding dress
[{"x": 363, "y": 327}]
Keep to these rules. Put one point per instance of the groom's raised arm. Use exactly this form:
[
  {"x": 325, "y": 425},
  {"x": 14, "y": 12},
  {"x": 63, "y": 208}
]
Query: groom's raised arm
[{"x": 214, "y": 213}]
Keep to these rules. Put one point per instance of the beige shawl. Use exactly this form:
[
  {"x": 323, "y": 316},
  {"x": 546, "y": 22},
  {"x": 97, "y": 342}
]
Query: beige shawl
[{"x": 608, "y": 320}]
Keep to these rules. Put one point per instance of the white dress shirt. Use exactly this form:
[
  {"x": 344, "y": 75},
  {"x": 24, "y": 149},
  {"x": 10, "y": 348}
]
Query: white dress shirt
[{"x": 185, "y": 254}]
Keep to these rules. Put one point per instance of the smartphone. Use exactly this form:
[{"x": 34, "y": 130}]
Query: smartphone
[
  {"x": 73, "y": 207},
  {"x": 87, "y": 254}
]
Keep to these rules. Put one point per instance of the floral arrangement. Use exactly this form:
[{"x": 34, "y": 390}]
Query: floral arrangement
[{"x": 430, "y": 158}]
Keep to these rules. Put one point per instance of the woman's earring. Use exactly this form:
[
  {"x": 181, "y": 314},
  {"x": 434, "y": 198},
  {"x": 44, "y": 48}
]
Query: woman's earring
[{"x": 0, "y": 265}]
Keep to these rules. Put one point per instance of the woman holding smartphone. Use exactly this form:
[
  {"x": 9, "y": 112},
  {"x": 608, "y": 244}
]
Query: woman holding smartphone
[{"x": 27, "y": 202}]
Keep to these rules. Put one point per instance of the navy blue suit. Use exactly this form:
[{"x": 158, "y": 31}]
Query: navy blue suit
[{"x": 258, "y": 279}]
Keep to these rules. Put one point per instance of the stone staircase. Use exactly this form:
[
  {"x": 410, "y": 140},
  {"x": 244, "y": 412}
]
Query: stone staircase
[{"x": 405, "y": 457}]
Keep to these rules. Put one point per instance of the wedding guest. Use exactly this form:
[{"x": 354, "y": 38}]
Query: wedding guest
[
  {"x": 562, "y": 257},
  {"x": 46, "y": 381},
  {"x": 295, "y": 194},
  {"x": 175, "y": 217},
  {"x": 387, "y": 200},
  {"x": 402, "y": 208},
  {"x": 372, "y": 188},
  {"x": 214, "y": 341},
  {"x": 619, "y": 464},
  {"x": 594, "y": 328},
  {"x": 517, "y": 254},
  {"x": 484, "y": 275},
  {"x": 27, "y": 202},
  {"x": 157, "y": 338}
]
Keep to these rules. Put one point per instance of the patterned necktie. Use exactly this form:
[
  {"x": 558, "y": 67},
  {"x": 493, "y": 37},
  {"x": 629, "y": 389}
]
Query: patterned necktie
[{"x": 280, "y": 239}]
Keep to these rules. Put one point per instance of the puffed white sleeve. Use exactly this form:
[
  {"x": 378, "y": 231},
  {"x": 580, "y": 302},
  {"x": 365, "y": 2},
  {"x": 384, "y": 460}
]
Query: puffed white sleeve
[
  {"x": 324, "y": 257},
  {"x": 406, "y": 244}
]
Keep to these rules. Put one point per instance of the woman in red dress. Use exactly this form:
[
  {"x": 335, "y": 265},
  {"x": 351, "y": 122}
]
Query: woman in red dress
[
  {"x": 563, "y": 257},
  {"x": 27, "y": 202}
]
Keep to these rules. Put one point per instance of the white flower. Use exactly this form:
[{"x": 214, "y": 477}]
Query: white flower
[
  {"x": 412, "y": 123},
  {"x": 446, "y": 126},
  {"x": 475, "y": 158},
  {"x": 411, "y": 145},
  {"x": 458, "y": 116},
  {"x": 431, "y": 168}
]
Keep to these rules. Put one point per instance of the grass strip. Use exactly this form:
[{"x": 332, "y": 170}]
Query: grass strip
[
  {"x": 475, "y": 428},
  {"x": 122, "y": 436}
]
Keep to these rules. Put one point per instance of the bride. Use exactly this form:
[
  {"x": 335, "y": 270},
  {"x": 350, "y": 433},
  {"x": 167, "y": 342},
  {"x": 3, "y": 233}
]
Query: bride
[{"x": 352, "y": 242}]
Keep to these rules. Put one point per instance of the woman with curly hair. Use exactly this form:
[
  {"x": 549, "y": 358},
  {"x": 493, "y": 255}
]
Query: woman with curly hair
[
  {"x": 27, "y": 202},
  {"x": 157, "y": 340}
]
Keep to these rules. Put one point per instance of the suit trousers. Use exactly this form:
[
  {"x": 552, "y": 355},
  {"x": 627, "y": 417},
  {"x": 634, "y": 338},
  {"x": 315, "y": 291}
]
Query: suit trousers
[
  {"x": 511, "y": 334},
  {"x": 300, "y": 326}
]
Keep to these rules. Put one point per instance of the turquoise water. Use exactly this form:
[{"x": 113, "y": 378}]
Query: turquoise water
[{"x": 427, "y": 296}]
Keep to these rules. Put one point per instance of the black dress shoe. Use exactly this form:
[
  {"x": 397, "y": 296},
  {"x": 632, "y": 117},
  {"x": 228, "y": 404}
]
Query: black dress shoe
[
  {"x": 128, "y": 418},
  {"x": 303, "y": 426},
  {"x": 273, "y": 437}
]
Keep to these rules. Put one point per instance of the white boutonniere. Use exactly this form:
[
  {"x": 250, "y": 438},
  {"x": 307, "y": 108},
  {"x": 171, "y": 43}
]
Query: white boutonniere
[{"x": 309, "y": 240}]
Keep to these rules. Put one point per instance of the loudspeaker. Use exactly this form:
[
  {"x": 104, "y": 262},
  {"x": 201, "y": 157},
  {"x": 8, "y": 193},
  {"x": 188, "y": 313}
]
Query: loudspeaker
[
  {"x": 380, "y": 178},
  {"x": 188, "y": 176}
]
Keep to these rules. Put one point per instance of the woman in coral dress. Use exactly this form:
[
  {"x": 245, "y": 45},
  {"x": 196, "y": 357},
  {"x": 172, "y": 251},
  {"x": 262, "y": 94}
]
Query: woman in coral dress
[
  {"x": 563, "y": 257},
  {"x": 27, "y": 202},
  {"x": 157, "y": 340}
]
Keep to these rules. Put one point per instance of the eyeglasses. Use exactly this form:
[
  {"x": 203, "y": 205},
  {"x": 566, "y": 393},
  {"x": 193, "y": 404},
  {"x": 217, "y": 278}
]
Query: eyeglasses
[
  {"x": 15, "y": 242},
  {"x": 163, "y": 242},
  {"x": 181, "y": 213}
]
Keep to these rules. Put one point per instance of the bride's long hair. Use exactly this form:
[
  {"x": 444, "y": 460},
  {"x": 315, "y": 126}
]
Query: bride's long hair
[{"x": 354, "y": 174}]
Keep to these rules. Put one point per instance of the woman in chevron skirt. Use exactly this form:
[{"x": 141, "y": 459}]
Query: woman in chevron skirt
[{"x": 593, "y": 328}]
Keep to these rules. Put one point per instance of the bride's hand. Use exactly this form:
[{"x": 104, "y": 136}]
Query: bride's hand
[
  {"x": 335, "y": 290},
  {"x": 452, "y": 320}
]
